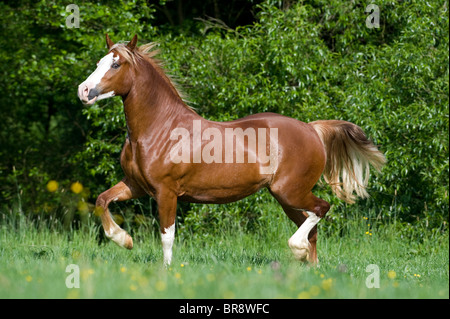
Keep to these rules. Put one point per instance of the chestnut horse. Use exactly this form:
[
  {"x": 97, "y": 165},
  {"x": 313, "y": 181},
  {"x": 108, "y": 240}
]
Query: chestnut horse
[{"x": 171, "y": 153}]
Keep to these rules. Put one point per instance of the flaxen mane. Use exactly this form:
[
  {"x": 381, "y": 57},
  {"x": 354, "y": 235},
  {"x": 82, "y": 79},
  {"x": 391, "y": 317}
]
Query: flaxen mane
[{"x": 148, "y": 52}]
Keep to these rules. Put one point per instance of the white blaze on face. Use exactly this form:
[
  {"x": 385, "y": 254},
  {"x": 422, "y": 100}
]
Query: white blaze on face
[{"x": 103, "y": 66}]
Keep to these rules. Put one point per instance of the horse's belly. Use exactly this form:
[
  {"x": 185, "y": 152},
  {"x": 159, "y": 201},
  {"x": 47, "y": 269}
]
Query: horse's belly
[
  {"x": 218, "y": 196},
  {"x": 220, "y": 183}
]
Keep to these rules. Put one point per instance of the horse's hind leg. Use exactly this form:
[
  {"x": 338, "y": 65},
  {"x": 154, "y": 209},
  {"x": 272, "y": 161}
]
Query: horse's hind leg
[
  {"x": 305, "y": 212},
  {"x": 302, "y": 243},
  {"x": 120, "y": 192}
]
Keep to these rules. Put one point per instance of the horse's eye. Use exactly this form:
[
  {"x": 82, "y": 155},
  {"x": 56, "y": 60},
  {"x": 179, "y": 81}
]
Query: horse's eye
[{"x": 115, "y": 65}]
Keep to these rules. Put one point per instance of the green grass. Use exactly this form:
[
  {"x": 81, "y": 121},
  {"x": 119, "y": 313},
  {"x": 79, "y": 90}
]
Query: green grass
[{"x": 231, "y": 264}]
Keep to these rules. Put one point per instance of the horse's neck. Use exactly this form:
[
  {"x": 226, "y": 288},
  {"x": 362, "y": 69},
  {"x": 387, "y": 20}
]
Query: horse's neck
[{"x": 153, "y": 109}]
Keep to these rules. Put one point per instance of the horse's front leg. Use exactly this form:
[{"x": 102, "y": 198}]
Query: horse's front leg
[
  {"x": 167, "y": 208},
  {"x": 121, "y": 191}
]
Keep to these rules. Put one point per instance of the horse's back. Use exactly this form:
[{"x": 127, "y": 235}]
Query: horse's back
[{"x": 300, "y": 150}]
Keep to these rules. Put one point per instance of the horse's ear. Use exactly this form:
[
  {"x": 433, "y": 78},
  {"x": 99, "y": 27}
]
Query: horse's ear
[
  {"x": 109, "y": 43},
  {"x": 132, "y": 44}
]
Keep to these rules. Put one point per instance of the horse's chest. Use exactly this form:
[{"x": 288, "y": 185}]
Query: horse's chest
[
  {"x": 127, "y": 160},
  {"x": 130, "y": 163},
  {"x": 135, "y": 165}
]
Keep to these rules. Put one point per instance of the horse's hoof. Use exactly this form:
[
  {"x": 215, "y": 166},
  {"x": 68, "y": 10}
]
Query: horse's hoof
[
  {"x": 121, "y": 238},
  {"x": 128, "y": 244},
  {"x": 300, "y": 251}
]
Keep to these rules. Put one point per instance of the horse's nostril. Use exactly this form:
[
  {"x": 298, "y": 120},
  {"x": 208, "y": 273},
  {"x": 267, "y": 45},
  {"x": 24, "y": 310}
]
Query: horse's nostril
[{"x": 92, "y": 93}]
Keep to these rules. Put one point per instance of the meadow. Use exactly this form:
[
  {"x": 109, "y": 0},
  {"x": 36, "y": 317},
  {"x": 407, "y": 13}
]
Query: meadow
[{"x": 413, "y": 263}]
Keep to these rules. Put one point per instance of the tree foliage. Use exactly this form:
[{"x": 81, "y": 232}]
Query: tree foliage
[{"x": 309, "y": 60}]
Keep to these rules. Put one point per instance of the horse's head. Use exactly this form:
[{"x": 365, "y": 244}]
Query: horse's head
[{"x": 112, "y": 76}]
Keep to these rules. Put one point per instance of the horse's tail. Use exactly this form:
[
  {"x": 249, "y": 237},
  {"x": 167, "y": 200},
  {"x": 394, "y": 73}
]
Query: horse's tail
[{"x": 349, "y": 156}]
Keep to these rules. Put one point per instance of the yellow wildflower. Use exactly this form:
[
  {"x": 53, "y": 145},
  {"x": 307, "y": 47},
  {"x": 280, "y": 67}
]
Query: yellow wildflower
[
  {"x": 392, "y": 274},
  {"x": 98, "y": 211},
  {"x": 118, "y": 219},
  {"x": 76, "y": 187},
  {"x": 52, "y": 186}
]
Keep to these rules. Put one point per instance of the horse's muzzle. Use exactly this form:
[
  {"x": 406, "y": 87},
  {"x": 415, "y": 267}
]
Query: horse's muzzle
[{"x": 88, "y": 93}]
